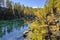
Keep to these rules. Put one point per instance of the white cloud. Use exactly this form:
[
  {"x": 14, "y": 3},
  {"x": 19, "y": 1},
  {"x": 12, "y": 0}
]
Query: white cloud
[{"x": 35, "y": 7}]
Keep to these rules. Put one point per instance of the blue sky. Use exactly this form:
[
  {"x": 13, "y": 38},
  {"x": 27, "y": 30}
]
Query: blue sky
[{"x": 31, "y": 3}]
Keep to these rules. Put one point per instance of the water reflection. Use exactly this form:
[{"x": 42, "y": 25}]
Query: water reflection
[{"x": 11, "y": 29}]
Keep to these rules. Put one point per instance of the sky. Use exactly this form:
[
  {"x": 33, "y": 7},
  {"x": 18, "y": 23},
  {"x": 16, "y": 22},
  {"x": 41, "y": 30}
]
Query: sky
[{"x": 31, "y": 3}]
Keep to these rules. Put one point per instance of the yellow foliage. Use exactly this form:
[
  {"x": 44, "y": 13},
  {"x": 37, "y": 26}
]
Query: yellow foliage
[
  {"x": 40, "y": 29},
  {"x": 54, "y": 27},
  {"x": 37, "y": 31}
]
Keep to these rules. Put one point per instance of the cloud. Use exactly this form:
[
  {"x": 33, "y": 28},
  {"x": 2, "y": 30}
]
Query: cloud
[{"x": 35, "y": 7}]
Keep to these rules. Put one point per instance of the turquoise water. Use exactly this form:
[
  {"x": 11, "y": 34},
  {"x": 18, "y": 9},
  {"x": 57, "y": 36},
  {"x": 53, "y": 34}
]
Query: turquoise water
[{"x": 12, "y": 29}]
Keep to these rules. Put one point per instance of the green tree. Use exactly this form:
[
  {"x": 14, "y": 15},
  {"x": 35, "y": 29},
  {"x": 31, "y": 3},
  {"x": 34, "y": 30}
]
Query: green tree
[{"x": 8, "y": 3}]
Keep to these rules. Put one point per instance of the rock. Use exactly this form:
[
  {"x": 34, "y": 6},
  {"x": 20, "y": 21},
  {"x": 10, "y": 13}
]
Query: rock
[{"x": 25, "y": 34}]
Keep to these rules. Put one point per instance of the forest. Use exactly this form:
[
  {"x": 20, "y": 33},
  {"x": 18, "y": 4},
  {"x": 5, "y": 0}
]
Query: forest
[
  {"x": 15, "y": 12},
  {"x": 46, "y": 20}
]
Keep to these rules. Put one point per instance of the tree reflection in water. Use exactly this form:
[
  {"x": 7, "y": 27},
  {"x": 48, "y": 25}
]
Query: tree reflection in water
[{"x": 8, "y": 26}]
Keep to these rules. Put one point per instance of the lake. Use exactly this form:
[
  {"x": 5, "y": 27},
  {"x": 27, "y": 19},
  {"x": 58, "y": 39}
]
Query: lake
[{"x": 12, "y": 29}]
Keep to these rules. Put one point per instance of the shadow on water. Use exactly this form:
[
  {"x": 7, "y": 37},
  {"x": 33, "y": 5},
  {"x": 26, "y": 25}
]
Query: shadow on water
[{"x": 12, "y": 29}]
